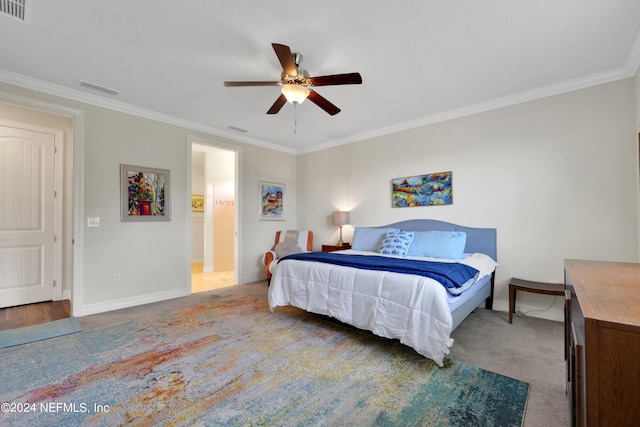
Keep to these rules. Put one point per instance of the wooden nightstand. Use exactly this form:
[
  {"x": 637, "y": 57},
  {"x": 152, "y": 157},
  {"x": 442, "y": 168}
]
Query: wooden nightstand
[{"x": 331, "y": 248}]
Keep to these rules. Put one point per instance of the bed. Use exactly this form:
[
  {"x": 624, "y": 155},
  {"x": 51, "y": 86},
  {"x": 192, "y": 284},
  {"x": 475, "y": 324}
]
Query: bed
[{"x": 418, "y": 296}]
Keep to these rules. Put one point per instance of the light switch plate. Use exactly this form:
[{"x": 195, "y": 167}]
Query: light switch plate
[{"x": 93, "y": 221}]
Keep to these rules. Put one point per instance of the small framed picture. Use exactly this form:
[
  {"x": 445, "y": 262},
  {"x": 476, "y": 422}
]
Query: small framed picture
[
  {"x": 197, "y": 203},
  {"x": 145, "y": 194},
  {"x": 272, "y": 201}
]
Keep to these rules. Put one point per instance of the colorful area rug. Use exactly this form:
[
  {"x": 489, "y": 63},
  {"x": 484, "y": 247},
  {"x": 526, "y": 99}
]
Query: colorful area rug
[
  {"x": 231, "y": 362},
  {"x": 44, "y": 331}
]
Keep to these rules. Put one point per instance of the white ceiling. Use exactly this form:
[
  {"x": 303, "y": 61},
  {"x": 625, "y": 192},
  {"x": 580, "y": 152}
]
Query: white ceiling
[{"x": 421, "y": 61}]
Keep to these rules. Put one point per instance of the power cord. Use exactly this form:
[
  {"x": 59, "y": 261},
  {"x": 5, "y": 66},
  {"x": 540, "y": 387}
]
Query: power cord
[{"x": 520, "y": 314}]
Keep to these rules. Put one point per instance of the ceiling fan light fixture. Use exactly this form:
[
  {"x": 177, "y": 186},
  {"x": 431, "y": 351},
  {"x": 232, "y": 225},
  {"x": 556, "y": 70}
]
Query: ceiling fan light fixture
[{"x": 295, "y": 93}]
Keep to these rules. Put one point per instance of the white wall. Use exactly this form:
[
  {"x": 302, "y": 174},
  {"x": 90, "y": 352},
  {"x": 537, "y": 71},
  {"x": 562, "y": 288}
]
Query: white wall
[
  {"x": 152, "y": 257},
  {"x": 557, "y": 177}
]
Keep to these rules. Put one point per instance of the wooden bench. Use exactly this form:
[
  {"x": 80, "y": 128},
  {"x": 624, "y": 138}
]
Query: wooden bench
[{"x": 516, "y": 284}]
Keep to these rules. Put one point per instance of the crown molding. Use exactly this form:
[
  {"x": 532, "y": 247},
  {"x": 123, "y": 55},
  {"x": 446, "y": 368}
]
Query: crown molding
[
  {"x": 19, "y": 80},
  {"x": 628, "y": 70}
]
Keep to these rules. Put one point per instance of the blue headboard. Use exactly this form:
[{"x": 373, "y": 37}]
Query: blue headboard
[{"x": 481, "y": 240}]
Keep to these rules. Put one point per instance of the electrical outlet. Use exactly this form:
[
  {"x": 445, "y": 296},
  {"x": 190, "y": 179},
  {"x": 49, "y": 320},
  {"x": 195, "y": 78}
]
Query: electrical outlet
[{"x": 117, "y": 279}]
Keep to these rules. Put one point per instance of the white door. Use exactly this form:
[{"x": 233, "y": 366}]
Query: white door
[{"x": 27, "y": 202}]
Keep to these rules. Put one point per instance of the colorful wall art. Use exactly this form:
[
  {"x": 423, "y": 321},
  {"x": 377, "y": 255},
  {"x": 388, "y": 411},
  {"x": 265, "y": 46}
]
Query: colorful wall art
[
  {"x": 272, "y": 205},
  {"x": 422, "y": 190},
  {"x": 144, "y": 194},
  {"x": 197, "y": 203}
]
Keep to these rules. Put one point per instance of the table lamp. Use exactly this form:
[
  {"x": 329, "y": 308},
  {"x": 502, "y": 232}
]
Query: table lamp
[{"x": 340, "y": 218}]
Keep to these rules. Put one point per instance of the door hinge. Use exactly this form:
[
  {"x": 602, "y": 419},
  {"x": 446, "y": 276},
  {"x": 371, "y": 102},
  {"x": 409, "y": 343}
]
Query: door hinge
[
  {"x": 54, "y": 284},
  {"x": 55, "y": 238}
]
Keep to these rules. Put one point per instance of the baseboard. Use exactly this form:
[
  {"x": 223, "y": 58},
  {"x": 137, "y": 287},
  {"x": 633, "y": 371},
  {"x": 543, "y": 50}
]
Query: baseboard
[
  {"x": 252, "y": 279},
  {"x": 102, "y": 307}
]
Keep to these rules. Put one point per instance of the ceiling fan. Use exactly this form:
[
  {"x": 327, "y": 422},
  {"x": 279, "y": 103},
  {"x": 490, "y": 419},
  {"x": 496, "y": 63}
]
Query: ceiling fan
[{"x": 296, "y": 83}]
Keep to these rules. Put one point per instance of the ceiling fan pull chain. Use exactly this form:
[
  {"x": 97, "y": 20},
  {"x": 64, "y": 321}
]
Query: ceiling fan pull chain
[{"x": 295, "y": 118}]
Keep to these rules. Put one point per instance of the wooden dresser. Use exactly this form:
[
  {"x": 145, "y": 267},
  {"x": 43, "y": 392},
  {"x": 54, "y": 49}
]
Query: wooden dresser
[{"x": 603, "y": 342}]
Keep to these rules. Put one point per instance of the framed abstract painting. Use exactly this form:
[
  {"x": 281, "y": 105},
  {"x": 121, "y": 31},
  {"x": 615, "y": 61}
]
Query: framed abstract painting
[
  {"x": 422, "y": 190},
  {"x": 145, "y": 194}
]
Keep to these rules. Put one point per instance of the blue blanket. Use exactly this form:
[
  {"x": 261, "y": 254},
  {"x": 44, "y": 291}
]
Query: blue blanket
[{"x": 454, "y": 276}]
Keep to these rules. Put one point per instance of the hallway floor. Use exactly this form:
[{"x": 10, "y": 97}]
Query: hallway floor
[{"x": 206, "y": 281}]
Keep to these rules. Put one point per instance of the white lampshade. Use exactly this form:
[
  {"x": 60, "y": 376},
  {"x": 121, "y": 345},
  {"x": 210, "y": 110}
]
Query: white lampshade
[
  {"x": 295, "y": 93},
  {"x": 340, "y": 218}
]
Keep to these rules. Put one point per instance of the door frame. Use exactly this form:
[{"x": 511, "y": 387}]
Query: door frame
[
  {"x": 194, "y": 139},
  {"x": 76, "y": 140},
  {"x": 58, "y": 196}
]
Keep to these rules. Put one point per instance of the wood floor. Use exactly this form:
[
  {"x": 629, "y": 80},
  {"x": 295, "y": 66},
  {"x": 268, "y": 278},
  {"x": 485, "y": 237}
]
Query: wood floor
[{"x": 33, "y": 314}]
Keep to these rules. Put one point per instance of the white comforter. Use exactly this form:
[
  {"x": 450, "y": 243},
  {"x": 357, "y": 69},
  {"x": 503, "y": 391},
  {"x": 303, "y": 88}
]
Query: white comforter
[{"x": 407, "y": 307}]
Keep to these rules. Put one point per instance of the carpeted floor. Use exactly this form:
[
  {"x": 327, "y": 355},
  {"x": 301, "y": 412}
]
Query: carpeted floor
[
  {"x": 530, "y": 349},
  {"x": 43, "y": 331},
  {"x": 227, "y": 360}
]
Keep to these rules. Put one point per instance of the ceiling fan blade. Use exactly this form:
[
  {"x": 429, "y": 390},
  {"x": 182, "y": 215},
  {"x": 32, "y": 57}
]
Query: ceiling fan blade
[
  {"x": 277, "y": 105},
  {"x": 251, "y": 83},
  {"x": 286, "y": 60},
  {"x": 337, "y": 79},
  {"x": 323, "y": 103}
]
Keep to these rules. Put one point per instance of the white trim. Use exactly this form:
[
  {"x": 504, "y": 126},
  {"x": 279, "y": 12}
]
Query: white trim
[
  {"x": 237, "y": 262},
  {"x": 77, "y": 290},
  {"x": 493, "y": 104},
  {"x": 58, "y": 176},
  {"x": 58, "y": 196},
  {"x": 78, "y": 183},
  {"x": 629, "y": 69},
  {"x": 78, "y": 95},
  {"x": 118, "y": 304},
  {"x": 188, "y": 228}
]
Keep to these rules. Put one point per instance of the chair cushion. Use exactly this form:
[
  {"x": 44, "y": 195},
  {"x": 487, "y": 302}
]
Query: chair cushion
[
  {"x": 303, "y": 236},
  {"x": 287, "y": 247}
]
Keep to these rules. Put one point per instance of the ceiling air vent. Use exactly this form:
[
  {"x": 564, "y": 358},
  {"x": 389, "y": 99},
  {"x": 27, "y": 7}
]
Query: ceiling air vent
[
  {"x": 16, "y": 9},
  {"x": 237, "y": 129},
  {"x": 96, "y": 87}
]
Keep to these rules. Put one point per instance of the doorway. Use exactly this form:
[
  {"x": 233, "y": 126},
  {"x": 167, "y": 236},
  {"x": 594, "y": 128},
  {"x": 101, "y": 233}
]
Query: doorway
[
  {"x": 213, "y": 217},
  {"x": 30, "y": 222}
]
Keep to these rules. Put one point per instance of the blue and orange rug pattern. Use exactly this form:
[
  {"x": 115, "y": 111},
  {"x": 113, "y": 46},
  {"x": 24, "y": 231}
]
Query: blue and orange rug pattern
[{"x": 231, "y": 362}]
